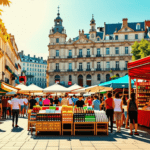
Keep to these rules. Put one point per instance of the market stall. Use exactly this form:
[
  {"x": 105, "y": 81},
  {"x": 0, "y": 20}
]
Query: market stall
[
  {"x": 140, "y": 69},
  {"x": 68, "y": 119}
]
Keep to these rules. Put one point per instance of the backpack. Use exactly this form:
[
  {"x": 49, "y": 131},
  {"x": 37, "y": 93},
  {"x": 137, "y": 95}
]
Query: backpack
[{"x": 132, "y": 106}]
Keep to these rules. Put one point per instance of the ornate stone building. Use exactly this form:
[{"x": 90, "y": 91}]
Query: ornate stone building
[
  {"x": 10, "y": 62},
  {"x": 91, "y": 58}
]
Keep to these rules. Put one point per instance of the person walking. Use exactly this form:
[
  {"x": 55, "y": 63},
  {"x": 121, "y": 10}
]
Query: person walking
[
  {"x": 132, "y": 107},
  {"x": 4, "y": 106},
  {"x": 15, "y": 105},
  {"x": 25, "y": 100},
  {"x": 22, "y": 106},
  {"x": 109, "y": 105},
  {"x": 46, "y": 102},
  {"x": 96, "y": 103},
  {"x": 65, "y": 100},
  {"x": 9, "y": 107},
  {"x": 124, "y": 106},
  {"x": 56, "y": 101},
  {"x": 118, "y": 111}
]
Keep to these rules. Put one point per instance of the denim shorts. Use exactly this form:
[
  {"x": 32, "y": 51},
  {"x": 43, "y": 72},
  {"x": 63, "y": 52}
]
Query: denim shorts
[
  {"x": 125, "y": 114},
  {"x": 26, "y": 107},
  {"x": 22, "y": 106}
]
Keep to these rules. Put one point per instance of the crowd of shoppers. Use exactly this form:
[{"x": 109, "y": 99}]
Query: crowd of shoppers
[{"x": 121, "y": 108}]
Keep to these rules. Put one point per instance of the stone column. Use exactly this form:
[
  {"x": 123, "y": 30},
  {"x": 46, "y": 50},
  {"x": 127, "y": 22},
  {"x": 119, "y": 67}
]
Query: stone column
[{"x": 84, "y": 79}]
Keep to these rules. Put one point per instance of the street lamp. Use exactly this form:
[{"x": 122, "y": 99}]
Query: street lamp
[{"x": 123, "y": 88}]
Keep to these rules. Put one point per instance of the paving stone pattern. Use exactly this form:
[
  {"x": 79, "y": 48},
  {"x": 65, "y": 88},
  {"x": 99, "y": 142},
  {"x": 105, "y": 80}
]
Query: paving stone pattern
[{"x": 20, "y": 139}]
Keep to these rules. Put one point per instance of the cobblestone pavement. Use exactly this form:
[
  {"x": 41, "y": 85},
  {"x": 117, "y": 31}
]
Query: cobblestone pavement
[{"x": 18, "y": 139}]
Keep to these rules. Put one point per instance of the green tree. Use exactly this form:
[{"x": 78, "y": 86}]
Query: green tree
[{"x": 140, "y": 50}]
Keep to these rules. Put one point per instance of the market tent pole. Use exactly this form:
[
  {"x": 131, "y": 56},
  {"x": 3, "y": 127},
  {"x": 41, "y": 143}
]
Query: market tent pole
[
  {"x": 136, "y": 89},
  {"x": 129, "y": 87}
]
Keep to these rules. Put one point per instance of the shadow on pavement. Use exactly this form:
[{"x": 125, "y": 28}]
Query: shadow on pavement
[
  {"x": 19, "y": 129},
  {"x": 2, "y": 130}
]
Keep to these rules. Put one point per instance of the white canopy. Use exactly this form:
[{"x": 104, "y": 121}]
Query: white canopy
[
  {"x": 56, "y": 88},
  {"x": 75, "y": 86},
  {"x": 32, "y": 89},
  {"x": 21, "y": 86},
  {"x": 83, "y": 89}
]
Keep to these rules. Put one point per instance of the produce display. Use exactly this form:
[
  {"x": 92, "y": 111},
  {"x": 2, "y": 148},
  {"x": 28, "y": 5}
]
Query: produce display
[
  {"x": 67, "y": 114},
  {"x": 48, "y": 117}
]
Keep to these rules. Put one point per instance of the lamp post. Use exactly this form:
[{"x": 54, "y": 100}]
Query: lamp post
[{"x": 123, "y": 88}]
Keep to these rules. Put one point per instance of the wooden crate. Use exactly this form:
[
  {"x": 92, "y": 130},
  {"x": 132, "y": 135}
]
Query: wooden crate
[
  {"x": 82, "y": 126},
  {"x": 48, "y": 126},
  {"x": 101, "y": 127},
  {"x": 69, "y": 130}
]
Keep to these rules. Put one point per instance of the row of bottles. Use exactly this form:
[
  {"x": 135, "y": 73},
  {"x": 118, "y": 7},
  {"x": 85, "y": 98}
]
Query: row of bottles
[{"x": 48, "y": 117}]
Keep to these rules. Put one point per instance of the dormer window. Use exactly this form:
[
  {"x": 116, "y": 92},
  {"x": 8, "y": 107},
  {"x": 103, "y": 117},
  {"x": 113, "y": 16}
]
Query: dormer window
[
  {"x": 138, "y": 26},
  {"x": 107, "y": 37},
  {"x": 57, "y": 22},
  {"x": 97, "y": 39}
]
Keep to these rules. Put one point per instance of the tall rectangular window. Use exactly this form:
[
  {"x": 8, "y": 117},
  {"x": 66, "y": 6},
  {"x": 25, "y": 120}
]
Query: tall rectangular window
[
  {"x": 70, "y": 66},
  {"x": 116, "y": 37},
  {"x": 126, "y": 50},
  {"x": 98, "y": 51},
  {"x": 98, "y": 65},
  {"x": 70, "y": 52},
  {"x": 117, "y": 64},
  {"x": 117, "y": 50},
  {"x": 136, "y": 36},
  {"x": 88, "y": 52},
  {"x": 107, "y": 65},
  {"x": 88, "y": 65},
  {"x": 57, "y": 53},
  {"x": 80, "y": 52},
  {"x": 126, "y": 64},
  {"x": 24, "y": 64},
  {"x": 57, "y": 40},
  {"x": 107, "y": 51},
  {"x": 27, "y": 64},
  {"x": 80, "y": 65},
  {"x": 57, "y": 66},
  {"x": 126, "y": 37}
]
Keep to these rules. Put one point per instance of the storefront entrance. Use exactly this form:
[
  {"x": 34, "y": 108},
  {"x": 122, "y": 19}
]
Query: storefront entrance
[
  {"x": 80, "y": 80},
  {"x": 88, "y": 80}
]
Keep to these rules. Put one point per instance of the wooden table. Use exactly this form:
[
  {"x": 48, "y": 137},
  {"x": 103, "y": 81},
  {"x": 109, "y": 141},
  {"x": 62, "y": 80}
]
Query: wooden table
[
  {"x": 84, "y": 126},
  {"x": 48, "y": 126},
  {"x": 69, "y": 129},
  {"x": 31, "y": 125},
  {"x": 101, "y": 127}
]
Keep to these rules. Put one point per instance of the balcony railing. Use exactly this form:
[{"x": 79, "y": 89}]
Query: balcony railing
[
  {"x": 98, "y": 55},
  {"x": 88, "y": 69},
  {"x": 69, "y": 70},
  {"x": 80, "y": 69},
  {"x": 88, "y": 55},
  {"x": 98, "y": 69},
  {"x": 69, "y": 56},
  {"x": 57, "y": 70},
  {"x": 80, "y": 56}
]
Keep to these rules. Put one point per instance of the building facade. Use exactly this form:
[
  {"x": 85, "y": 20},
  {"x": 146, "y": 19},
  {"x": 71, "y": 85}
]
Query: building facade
[
  {"x": 10, "y": 62},
  {"x": 35, "y": 69},
  {"x": 91, "y": 58}
]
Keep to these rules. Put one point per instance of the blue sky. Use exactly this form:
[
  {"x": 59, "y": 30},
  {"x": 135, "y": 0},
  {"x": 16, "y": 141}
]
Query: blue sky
[{"x": 31, "y": 20}]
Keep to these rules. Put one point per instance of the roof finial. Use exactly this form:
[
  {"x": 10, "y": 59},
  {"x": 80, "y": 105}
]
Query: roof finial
[
  {"x": 92, "y": 16},
  {"x": 58, "y": 11}
]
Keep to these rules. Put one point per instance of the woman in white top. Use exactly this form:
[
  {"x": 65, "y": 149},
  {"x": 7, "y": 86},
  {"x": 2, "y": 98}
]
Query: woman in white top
[{"x": 118, "y": 111}]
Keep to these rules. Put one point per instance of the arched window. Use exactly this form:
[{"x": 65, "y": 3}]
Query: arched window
[
  {"x": 138, "y": 26},
  {"x": 117, "y": 75},
  {"x": 70, "y": 78},
  {"x": 98, "y": 77},
  {"x": 80, "y": 80},
  {"x": 57, "y": 79},
  {"x": 107, "y": 77}
]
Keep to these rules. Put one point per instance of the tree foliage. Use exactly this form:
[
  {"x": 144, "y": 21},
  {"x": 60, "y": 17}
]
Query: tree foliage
[
  {"x": 5, "y": 2},
  {"x": 140, "y": 50}
]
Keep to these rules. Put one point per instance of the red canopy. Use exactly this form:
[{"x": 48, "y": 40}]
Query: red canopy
[{"x": 140, "y": 69}]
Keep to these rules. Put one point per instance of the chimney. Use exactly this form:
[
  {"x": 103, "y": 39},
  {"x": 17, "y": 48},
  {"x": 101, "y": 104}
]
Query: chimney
[
  {"x": 28, "y": 55},
  {"x": 34, "y": 56},
  {"x": 124, "y": 22},
  {"x": 42, "y": 58},
  {"x": 82, "y": 31}
]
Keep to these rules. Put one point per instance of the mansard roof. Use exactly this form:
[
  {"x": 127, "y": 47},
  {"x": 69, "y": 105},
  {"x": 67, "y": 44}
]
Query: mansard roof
[{"x": 111, "y": 28}]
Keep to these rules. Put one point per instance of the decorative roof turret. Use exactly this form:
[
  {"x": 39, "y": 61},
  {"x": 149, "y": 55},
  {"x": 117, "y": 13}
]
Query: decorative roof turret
[{"x": 92, "y": 20}]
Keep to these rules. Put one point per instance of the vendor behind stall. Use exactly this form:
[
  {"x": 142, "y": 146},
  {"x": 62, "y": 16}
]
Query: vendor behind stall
[
  {"x": 46, "y": 102},
  {"x": 65, "y": 100},
  {"x": 32, "y": 102},
  {"x": 96, "y": 103},
  {"x": 80, "y": 102},
  {"x": 56, "y": 101},
  {"x": 40, "y": 101}
]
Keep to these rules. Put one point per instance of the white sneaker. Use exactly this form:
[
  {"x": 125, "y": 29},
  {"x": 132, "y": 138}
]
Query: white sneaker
[{"x": 117, "y": 130}]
